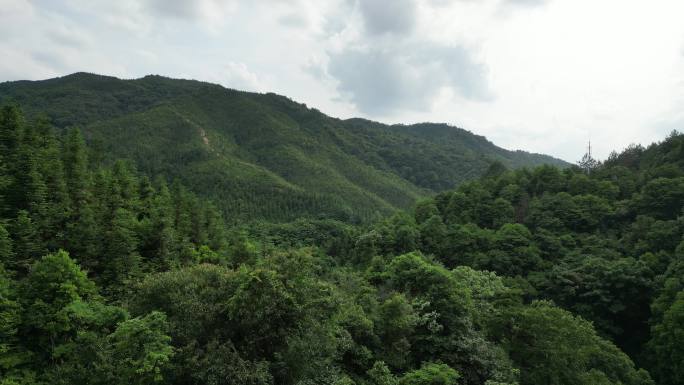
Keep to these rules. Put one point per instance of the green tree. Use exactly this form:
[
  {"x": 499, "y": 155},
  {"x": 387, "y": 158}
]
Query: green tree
[
  {"x": 139, "y": 350},
  {"x": 615, "y": 295},
  {"x": 466, "y": 244},
  {"x": 27, "y": 247},
  {"x": 220, "y": 363},
  {"x": 425, "y": 210},
  {"x": 159, "y": 243},
  {"x": 11, "y": 121},
  {"x": 503, "y": 213},
  {"x": 381, "y": 375},
  {"x": 431, "y": 374},
  {"x": 396, "y": 322},
  {"x": 433, "y": 235},
  {"x": 57, "y": 200},
  {"x": 551, "y": 346},
  {"x": 76, "y": 168},
  {"x": 11, "y": 354},
  {"x": 513, "y": 252},
  {"x": 6, "y": 252},
  {"x": 120, "y": 248},
  {"x": 662, "y": 198},
  {"x": 53, "y": 284},
  {"x": 443, "y": 305},
  {"x": 667, "y": 344}
]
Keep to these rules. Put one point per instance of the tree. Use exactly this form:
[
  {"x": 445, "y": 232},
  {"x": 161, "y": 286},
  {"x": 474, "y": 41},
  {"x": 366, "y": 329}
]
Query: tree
[
  {"x": 11, "y": 122},
  {"x": 425, "y": 210},
  {"x": 27, "y": 246},
  {"x": 591, "y": 212},
  {"x": 29, "y": 189},
  {"x": 139, "y": 350},
  {"x": 263, "y": 312},
  {"x": 120, "y": 251},
  {"x": 667, "y": 344},
  {"x": 614, "y": 295},
  {"x": 466, "y": 244},
  {"x": 11, "y": 354},
  {"x": 53, "y": 284},
  {"x": 444, "y": 305},
  {"x": 489, "y": 293},
  {"x": 551, "y": 346},
  {"x": 221, "y": 364},
  {"x": 381, "y": 375},
  {"x": 57, "y": 201},
  {"x": 395, "y": 324},
  {"x": 84, "y": 237},
  {"x": 6, "y": 252},
  {"x": 495, "y": 169},
  {"x": 457, "y": 209},
  {"x": 513, "y": 252},
  {"x": 546, "y": 179},
  {"x": 662, "y": 198},
  {"x": 433, "y": 234},
  {"x": 503, "y": 213},
  {"x": 159, "y": 243},
  {"x": 399, "y": 234},
  {"x": 431, "y": 374},
  {"x": 76, "y": 168},
  {"x": 63, "y": 321}
]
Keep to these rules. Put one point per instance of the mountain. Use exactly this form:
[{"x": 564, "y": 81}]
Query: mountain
[{"x": 262, "y": 155}]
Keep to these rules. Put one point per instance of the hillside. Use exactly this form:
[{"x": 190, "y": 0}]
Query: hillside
[
  {"x": 261, "y": 155},
  {"x": 526, "y": 277}
]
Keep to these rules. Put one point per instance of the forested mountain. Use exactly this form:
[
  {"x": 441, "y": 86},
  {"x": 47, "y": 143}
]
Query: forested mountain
[
  {"x": 261, "y": 156},
  {"x": 529, "y": 277},
  {"x": 113, "y": 271}
]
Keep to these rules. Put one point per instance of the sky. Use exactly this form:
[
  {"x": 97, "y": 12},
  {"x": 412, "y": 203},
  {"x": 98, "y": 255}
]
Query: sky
[{"x": 543, "y": 76}]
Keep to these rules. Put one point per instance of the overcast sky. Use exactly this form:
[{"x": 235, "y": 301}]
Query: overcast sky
[{"x": 540, "y": 75}]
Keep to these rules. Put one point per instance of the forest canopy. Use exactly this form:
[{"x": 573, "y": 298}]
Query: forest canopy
[{"x": 528, "y": 276}]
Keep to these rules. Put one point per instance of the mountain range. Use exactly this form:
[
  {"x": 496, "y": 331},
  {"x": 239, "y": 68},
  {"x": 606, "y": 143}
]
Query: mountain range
[{"x": 262, "y": 156}]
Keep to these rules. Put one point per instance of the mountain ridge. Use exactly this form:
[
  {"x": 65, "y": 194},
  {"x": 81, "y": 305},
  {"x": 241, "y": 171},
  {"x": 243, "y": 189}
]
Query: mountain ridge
[{"x": 262, "y": 155}]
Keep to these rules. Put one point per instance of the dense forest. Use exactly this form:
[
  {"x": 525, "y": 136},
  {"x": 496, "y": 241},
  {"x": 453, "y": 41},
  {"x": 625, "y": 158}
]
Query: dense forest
[
  {"x": 529, "y": 276},
  {"x": 261, "y": 156}
]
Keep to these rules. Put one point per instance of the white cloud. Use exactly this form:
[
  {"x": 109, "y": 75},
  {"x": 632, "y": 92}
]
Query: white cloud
[
  {"x": 396, "y": 17},
  {"x": 238, "y": 76},
  {"x": 380, "y": 79}
]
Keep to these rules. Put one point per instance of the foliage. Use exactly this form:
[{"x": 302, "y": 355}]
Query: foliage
[
  {"x": 110, "y": 276},
  {"x": 261, "y": 156}
]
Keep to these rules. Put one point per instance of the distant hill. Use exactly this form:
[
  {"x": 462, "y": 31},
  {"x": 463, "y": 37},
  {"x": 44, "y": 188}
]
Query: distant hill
[{"x": 262, "y": 156}]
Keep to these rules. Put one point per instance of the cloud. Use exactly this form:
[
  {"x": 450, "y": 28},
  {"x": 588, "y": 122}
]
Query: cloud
[
  {"x": 527, "y": 3},
  {"x": 61, "y": 33},
  {"x": 382, "y": 62},
  {"x": 294, "y": 20},
  {"x": 209, "y": 15},
  {"x": 316, "y": 68},
  {"x": 374, "y": 81},
  {"x": 184, "y": 9},
  {"x": 16, "y": 64},
  {"x": 379, "y": 81},
  {"x": 50, "y": 59},
  {"x": 380, "y": 17},
  {"x": 457, "y": 69},
  {"x": 239, "y": 76},
  {"x": 507, "y": 8}
]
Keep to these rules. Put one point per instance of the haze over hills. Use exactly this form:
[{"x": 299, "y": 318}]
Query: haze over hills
[{"x": 262, "y": 155}]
